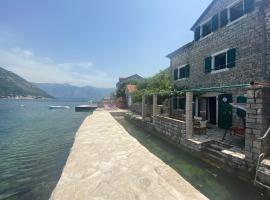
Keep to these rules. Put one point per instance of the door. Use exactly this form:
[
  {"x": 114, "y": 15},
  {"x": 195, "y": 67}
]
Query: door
[
  {"x": 212, "y": 109},
  {"x": 224, "y": 111}
]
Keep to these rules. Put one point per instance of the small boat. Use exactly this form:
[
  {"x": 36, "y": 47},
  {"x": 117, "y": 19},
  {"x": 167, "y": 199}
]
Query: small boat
[
  {"x": 85, "y": 108},
  {"x": 59, "y": 107}
]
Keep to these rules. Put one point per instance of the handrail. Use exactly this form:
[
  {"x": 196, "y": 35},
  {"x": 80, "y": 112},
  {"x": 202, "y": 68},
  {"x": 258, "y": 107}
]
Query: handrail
[
  {"x": 266, "y": 134},
  {"x": 261, "y": 157}
]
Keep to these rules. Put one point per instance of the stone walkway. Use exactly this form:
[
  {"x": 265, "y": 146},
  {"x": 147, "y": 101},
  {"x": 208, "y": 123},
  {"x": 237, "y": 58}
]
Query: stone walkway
[{"x": 106, "y": 163}]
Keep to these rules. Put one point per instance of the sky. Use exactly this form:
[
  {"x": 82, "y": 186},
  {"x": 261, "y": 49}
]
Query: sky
[{"x": 93, "y": 42}]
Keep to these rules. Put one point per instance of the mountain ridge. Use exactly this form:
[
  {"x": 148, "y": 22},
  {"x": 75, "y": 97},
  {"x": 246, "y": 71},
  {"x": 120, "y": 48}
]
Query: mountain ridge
[
  {"x": 14, "y": 86},
  {"x": 64, "y": 90}
]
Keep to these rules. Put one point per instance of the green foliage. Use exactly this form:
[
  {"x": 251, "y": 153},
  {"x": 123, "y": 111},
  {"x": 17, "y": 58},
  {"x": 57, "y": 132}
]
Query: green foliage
[{"x": 120, "y": 92}]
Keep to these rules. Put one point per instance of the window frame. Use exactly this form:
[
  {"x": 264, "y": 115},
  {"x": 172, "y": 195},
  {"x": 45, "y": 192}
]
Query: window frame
[
  {"x": 233, "y": 5},
  {"x": 180, "y": 67},
  {"x": 202, "y": 29},
  {"x": 213, "y": 71}
]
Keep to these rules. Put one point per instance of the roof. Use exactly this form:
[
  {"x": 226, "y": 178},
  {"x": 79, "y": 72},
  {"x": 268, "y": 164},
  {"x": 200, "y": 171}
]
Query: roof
[
  {"x": 179, "y": 49},
  {"x": 131, "y": 88},
  {"x": 202, "y": 15}
]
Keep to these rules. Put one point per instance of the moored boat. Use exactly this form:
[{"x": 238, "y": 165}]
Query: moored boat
[{"x": 59, "y": 107}]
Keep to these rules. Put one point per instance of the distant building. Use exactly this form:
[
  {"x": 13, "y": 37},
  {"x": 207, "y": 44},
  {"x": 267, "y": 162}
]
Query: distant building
[
  {"x": 130, "y": 89},
  {"x": 132, "y": 77}
]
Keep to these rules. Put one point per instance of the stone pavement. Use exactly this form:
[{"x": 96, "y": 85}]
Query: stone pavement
[{"x": 106, "y": 163}]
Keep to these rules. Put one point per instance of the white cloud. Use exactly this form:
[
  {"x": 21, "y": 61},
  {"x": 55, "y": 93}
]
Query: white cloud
[{"x": 44, "y": 70}]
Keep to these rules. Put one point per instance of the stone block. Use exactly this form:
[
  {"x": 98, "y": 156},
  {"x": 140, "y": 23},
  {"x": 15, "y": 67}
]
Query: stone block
[{"x": 250, "y": 94}]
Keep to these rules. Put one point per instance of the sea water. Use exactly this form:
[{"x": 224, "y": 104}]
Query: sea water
[{"x": 34, "y": 145}]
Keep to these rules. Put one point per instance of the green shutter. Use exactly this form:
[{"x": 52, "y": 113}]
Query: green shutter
[
  {"x": 224, "y": 18},
  {"x": 187, "y": 71},
  {"x": 215, "y": 23},
  {"x": 175, "y": 74},
  {"x": 241, "y": 113},
  {"x": 208, "y": 65},
  {"x": 197, "y": 33},
  {"x": 175, "y": 103},
  {"x": 231, "y": 57},
  {"x": 249, "y": 5}
]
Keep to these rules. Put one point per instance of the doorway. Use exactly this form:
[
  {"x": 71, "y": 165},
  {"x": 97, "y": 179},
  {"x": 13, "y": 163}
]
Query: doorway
[{"x": 212, "y": 110}]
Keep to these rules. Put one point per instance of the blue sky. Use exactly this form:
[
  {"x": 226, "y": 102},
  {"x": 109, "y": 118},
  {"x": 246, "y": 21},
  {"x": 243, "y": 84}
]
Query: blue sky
[{"x": 93, "y": 42}]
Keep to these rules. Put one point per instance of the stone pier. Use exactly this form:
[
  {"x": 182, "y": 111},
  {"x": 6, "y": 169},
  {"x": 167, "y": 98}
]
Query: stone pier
[{"x": 106, "y": 162}]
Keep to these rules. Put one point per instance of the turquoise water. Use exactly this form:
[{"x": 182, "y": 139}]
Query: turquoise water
[
  {"x": 34, "y": 144},
  {"x": 209, "y": 180}
]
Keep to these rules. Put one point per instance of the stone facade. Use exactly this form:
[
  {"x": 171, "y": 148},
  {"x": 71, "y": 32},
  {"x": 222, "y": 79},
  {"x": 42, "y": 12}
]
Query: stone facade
[
  {"x": 137, "y": 108},
  {"x": 245, "y": 35},
  {"x": 258, "y": 120}
]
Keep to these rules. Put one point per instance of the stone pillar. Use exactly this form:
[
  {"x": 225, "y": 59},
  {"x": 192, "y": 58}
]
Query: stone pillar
[
  {"x": 143, "y": 106},
  {"x": 257, "y": 122},
  {"x": 154, "y": 107},
  {"x": 189, "y": 115}
]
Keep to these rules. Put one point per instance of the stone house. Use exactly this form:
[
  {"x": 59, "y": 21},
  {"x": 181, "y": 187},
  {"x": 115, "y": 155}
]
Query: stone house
[
  {"x": 230, "y": 47},
  {"x": 231, "y": 50}
]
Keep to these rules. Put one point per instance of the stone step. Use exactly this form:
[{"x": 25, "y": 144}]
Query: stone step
[
  {"x": 263, "y": 176},
  {"x": 266, "y": 163}
]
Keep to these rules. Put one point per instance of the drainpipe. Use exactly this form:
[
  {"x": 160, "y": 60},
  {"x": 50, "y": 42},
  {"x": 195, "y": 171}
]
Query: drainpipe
[{"x": 264, "y": 40}]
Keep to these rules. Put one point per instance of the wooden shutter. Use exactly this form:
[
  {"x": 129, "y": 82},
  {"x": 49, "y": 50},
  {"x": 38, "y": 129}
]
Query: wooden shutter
[
  {"x": 231, "y": 57},
  {"x": 187, "y": 71},
  {"x": 208, "y": 64},
  {"x": 224, "y": 18},
  {"x": 249, "y": 5},
  {"x": 214, "y": 23},
  {"x": 197, "y": 33},
  {"x": 175, "y": 74}
]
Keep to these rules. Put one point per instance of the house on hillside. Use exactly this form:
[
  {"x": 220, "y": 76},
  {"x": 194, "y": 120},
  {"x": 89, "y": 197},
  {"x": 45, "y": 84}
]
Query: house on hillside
[
  {"x": 129, "y": 78},
  {"x": 130, "y": 89}
]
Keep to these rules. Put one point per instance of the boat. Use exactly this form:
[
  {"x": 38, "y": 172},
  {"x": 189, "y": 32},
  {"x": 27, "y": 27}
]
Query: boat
[
  {"x": 59, "y": 107},
  {"x": 85, "y": 108}
]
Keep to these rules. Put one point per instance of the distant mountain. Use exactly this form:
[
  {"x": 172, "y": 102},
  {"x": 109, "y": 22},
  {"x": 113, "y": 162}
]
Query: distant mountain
[
  {"x": 70, "y": 91},
  {"x": 12, "y": 85}
]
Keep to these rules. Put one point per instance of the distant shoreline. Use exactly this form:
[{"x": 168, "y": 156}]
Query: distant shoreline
[{"x": 24, "y": 97}]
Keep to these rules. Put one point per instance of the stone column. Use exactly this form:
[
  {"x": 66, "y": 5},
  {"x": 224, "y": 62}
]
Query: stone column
[
  {"x": 143, "y": 106},
  {"x": 154, "y": 107},
  {"x": 189, "y": 115},
  {"x": 257, "y": 122}
]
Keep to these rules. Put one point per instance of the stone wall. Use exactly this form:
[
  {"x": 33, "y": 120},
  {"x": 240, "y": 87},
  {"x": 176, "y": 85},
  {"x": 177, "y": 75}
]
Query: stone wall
[
  {"x": 245, "y": 35},
  {"x": 267, "y": 43},
  {"x": 174, "y": 130},
  {"x": 257, "y": 122},
  {"x": 137, "y": 108}
]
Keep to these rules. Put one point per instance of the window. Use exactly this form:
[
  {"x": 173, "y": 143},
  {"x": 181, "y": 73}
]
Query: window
[
  {"x": 181, "y": 72},
  {"x": 207, "y": 29},
  {"x": 237, "y": 11},
  {"x": 184, "y": 72},
  {"x": 220, "y": 61},
  {"x": 181, "y": 103},
  {"x": 225, "y": 59}
]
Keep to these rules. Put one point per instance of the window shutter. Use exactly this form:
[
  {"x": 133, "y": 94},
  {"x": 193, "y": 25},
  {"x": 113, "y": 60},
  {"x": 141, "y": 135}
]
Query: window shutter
[
  {"x": 224, "y": 18},
  {"x": 175, "y": 103},
  {"x": 240, "y": 112},
  {"x": 249, "y": 5},
  {"x": 231, "y": 57},
  {"x": 197, "y": 33},
  {"x": 175, "y": 74},
  {"x": 208, "y": 65},
  {"x": 187, "y": 71},
  {"x": 215, "y": 23}
]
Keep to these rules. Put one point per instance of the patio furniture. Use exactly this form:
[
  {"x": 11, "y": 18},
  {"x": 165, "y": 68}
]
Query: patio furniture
[
  {"x": 237, "y": 131},
  {"x": 199, "y": 126}
]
